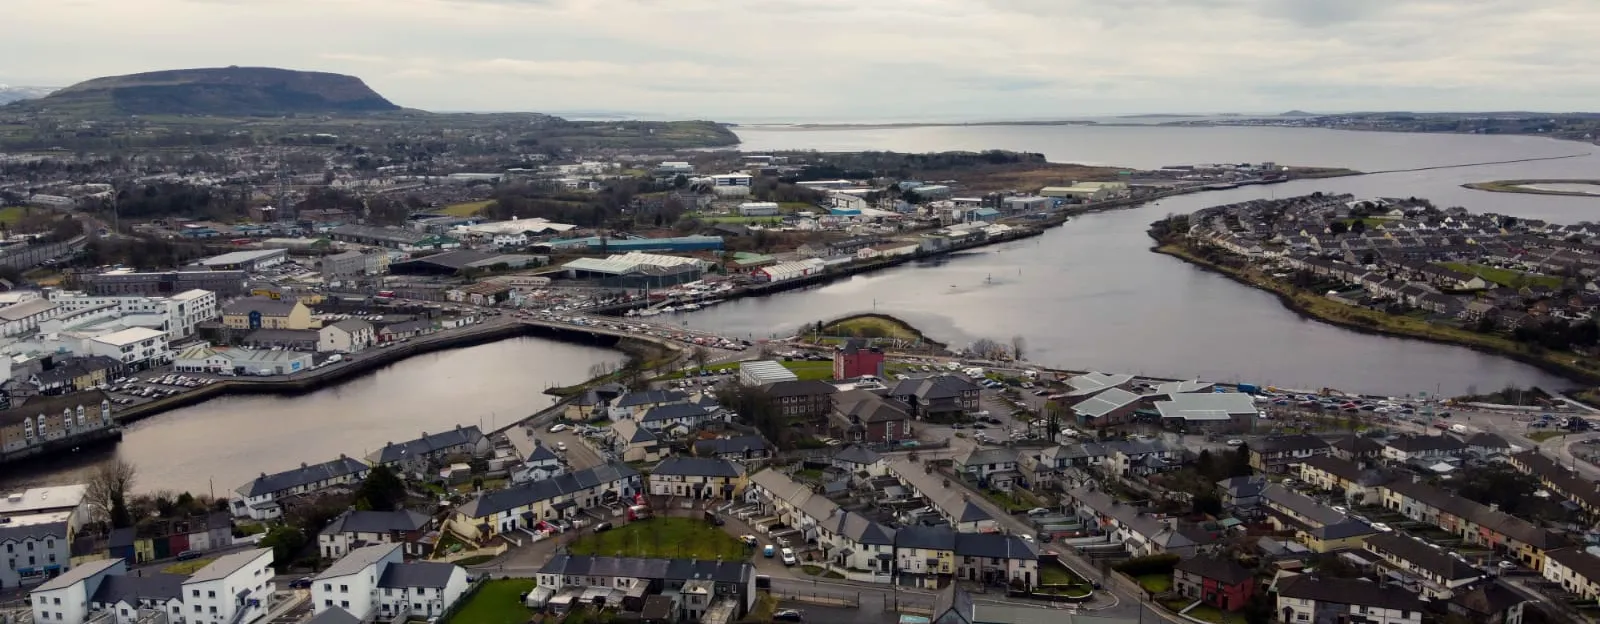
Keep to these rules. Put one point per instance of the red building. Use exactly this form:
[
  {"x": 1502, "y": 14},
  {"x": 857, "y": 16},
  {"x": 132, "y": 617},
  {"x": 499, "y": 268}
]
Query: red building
[
  {"x": 1221, "y": 583},
  {"x": 856, "y": 359}
]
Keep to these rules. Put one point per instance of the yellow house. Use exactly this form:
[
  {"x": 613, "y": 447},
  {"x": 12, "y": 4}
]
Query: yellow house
[
  {"x": 1320, "y": 528},
  {"x": 926, "y": 552},
  {"x": 267, "y": 313},
  {"x": 699, "y": 478}
]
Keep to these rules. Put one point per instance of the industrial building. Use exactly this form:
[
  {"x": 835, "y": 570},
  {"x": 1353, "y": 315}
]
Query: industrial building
[
  {"x": 763, "y": 372},
  {"x": 731, "y": 184},
  {"x": 392, "y": 238},
  {"x": 758, "y": 209},
  {"x": 673, "y": 243},
  {"x": 784, "y": 271},
  {"x": 455, "y": 262},
  {"x": 249, "y": 260},
  {"x": 166, "y": 283},
  {"x": 637, "y": 270}
]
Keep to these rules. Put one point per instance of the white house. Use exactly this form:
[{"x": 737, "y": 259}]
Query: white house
[
  {"x": 1306, "y": 600},
  {"x": 541, "y": 464},
  {"x": 346, "y": 336},
  {"x": 66, "y": 598},
  {"x": 990, "y": 466},
  {"x": 1575, "y": 571},
  {"x": 674, "y": 416},
  {"x": 375, "y": 581},
  {"x": 697, "y": 478},
  {"x": 231, "y": 589},
  {"x": 852, "y": 540},
  {"x": 135, "y": 347},
  {"x": 34, "y": 547},
  {"x": 259, "y": 498},
  {"x": 354, "y": 528}
]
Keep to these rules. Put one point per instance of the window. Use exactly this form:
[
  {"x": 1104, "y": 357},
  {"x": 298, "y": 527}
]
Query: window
[
  {"x": 196, "y": 593},
  {"x": 388, "y": 592},
  {"x": 344, "y": 589},
  {"x": 58, "y": 601},
  {"x": 327, "y": 603},
  {"x": 213, "y": 610},
  {"x": 211, "y": 594},
  {"x": 327, "y": 587},
  {"x": 197, "y": 607},
  {"x": 344, "y": 603}
]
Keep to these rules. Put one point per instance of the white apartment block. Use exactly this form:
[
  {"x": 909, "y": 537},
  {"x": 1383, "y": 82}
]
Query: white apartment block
[
  {"x": 376, "y": 582},
  {"x": 232, "y": 589},
  {"x": 135, "y": 347},
  {"x": 178, "y": 314}
]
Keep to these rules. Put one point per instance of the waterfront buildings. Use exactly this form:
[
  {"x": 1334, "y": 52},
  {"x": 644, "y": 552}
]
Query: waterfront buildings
[
  {"x": 266, "y": 313},
  {"x": 52, "y": 423},
  {"x": 346, "y": 336},
  {"x": 262, "y": 498},
  {"x": 37, "y": 547},
  {"x": 137, "y": 348},
  {"x": 429, "y": 450},
  {"x": 239, "y": 361},
  {"x": 21, "y": 318},
  {"x": 524, "y": 506}
]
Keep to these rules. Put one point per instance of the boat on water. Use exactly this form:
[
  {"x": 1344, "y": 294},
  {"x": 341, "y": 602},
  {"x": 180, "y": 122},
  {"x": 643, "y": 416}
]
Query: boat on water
[
  {"x": 689, "y": 307},
  {"x": 648, "y": 312},
  {"x": 668, "y": 309},
  {"x": 633, "y": 312}
]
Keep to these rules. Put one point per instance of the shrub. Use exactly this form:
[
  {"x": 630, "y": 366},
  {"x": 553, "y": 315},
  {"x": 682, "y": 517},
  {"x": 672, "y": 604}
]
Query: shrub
[{"x": 1153, "y": 564}]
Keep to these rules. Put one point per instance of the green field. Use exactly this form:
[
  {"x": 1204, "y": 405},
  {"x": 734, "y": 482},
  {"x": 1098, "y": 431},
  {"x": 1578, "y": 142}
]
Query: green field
[
  {"x": 1505, "y": 277},
  {"x": 467, "y": 209},
  {"x": 497, "y": 602},
  {"x": 871, "y": 326},
  {"x": 187, "y": 567},
  {"x": 673, "y": 538},
  {"x": 737, "y": 219},
  {"x": 808, "y": 370},
  {"x": 12, "y": 214}
]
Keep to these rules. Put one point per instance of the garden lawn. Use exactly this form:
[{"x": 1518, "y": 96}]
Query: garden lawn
[
  {"x": 497, "y": 602},
  {"x": 1213, "y": 614},
  {"x": 187, "y": 567},
  {"x": 467, "y": 209},
  {"x": 1505, "y": 277},
  {"x": 809, "y": 370},
  {"x": 1155, "y": 583},
  {"x": 686, "y": 538},
  {"x": 1540, "y": 436},
  {"x": 1051, "y": 574}
]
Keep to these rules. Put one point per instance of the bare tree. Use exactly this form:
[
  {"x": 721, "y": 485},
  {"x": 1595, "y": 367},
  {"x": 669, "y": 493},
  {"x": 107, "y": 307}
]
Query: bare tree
[
  {"x": 109, "y": 486},
  {"x": 601, "y": 369},
  {"x": 988, "y": 349},
  {"x": 699, "y": 355},
  {"x": 1019, "y": 346}
]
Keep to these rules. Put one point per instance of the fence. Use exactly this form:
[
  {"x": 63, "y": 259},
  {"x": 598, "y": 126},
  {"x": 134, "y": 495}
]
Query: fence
[
  {"x": 818, "y": 596},
  {"x": 460, "y": 603}
]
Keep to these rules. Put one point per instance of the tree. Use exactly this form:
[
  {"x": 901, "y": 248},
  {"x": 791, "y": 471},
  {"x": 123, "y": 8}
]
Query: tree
[
  {"x": 1019, "y": 346},
  {"x": 699, "y": 355},
  {"x": 285, "y": 542},
  {"x": 108, "y": 490},
  {"x": 381, "y": 490},
  {"x": 1338, "y": 227},
  {"x": 1240, "y": 466},
  {"x": 1358, "y": 226}
]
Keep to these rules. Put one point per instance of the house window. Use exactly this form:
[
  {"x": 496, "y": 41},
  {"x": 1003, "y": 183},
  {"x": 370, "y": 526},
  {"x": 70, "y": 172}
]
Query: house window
[{"x": 211, "y": 594}]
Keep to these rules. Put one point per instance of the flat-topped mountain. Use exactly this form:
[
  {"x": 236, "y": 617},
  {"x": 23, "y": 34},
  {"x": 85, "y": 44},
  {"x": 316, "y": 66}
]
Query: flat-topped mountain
[{"x": 220, "y": 91}]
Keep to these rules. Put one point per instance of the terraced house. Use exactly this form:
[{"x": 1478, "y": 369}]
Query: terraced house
[
  {"x": 262, "y": 497},
  {"x": 1474, "y": 522},
  {"x": 1275, "y": 454},
  {"x": 1321, "y": 528},
  {"x": 521, "y": 507},
  {"x": 1441, "y": 573},
  {"x": 1557, "y": 478},
  {"x": 698, "y": 478},
  {"x": 1355, "y": 483}
]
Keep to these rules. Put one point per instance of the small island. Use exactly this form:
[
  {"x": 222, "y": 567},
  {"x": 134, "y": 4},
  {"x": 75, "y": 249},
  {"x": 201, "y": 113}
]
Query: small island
[{"x": 1578, "y": 188}]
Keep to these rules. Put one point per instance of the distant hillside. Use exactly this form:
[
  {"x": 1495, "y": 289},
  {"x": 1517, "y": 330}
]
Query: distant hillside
[
  {"x": 223, "y": 91},
  {"x": 9, "y": 94},
  {"x": 1297, "y": 113}
]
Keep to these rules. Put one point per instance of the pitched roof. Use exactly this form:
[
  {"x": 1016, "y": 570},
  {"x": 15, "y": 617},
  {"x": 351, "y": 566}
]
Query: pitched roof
[
  {"x": 304, "y": 475},
  {"x": 650, "y": 397},
  {"x": 1506, "y": 524},
  {"x": 1226, "y": 571},
  {"x": 359, "y": 521},
  {"x": 1487, "y": 440},
  {"x": 673, "y": 411},
  {"x": 1090, "y": 383},
  {"x": 1346, "y": 470},
  {"x": 993, "y": 455},
  {"x": 859, "y": 528},
  {"x": 1358, "y": 445},
  {"x": 1488, "y": 599},
  {"x": 1420, "y": 554},
  {"x": 1424, "y": 443},
  {"x": 734, "y": 445},
  {"x": 228, "y": 564},
  {"x": 934, "y": 388},
  {"x": 698, "y": 467},
  {"x": 858, "y": 455},
  {"x": 1104, "y": 403},
  {"x": 1287, "y": 443},
  {"x": 953, "y": 502},
  {"x": 994, "y": 545},
  {"x": 359, "y": 559},
  {"x": 1348, "y": 592},
  {"x": 925, "y": 537},
  {"x": 498, "y": 501},
  {"x": 1207, "y": 405},
  {"x": 868, "y": 407},
  {"x": 427, "y": 444},
  {"x": 133, "y": 588},
  {"x": 1319, "y": 514},
  {"x": 78, "y": 573},
  {"x": 431, "y": 574},
  {"x": 265, "y": 306},
  {"x": 802, "y": 387},
  {"x": 1580, "y": 562},
  {"x": 334, "y": 615}
]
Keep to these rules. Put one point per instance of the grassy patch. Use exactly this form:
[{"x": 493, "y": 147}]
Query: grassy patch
[
  {"x": 1009, "y": 501},
  {"x": 187, "y": 567},
  {"x": 1213, "y": 614},
  {"x": 1505, "y": 277},
  {"x": 1155, "y": 583},
  {"x": 872, "y": 326},
  {"x": 1540, "y": 436},
  {"x": 798, "y": 207},
  {"x": 1522, "y": 186},
  {"x": 12, "y": 214},
  {"x": 663, "y": 537},
  {"x": 808, "y": 370},
  {"x": 766, "y": 605},
  {"x": 497, "y": 602},
  {"x": 820, "y": 571},
  {"x": 249, "y": 528},
  {"x": 466, "y": 209}
]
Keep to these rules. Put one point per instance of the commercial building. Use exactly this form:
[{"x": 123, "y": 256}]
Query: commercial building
[
  {"x": 637, "y": 270},
  {"x": 758, "y": 209},
  {"x": 260, "y": 498},
  {"x": 763, "y": 372},
  {"x": 165, "y": 283},
  {"x": 240, "y": 361},
  {"x": 354, "y": 263},
  {"x": 457, "y": 262},
  {"x": 249, "y": 260},
  {"x": 178, "y": 314},
  {"x": 20, "y": 318},
  {"x": 785, "y": 271},
  {"x": 391, "y": 238},
  {"x": 731, "y": 184},
  {"x": 136, "y": 348},
  {"x": 266, "y": 313},
  {"x": 1210, "y": 411},
  {"x": 596, "y": 244}
]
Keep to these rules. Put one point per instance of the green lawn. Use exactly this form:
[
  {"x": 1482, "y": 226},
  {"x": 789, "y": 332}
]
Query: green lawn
[
  {"x": 1155, "y": 583},
  {"x": 663, "y": 537},
  {"x": 1212, "y": 614},
  {"x": 496, "y": 603},
  {"x": 1540, "y": 436},
  {"x": 1505, "y": 277},
  {"x": 810, "y": 370},
  {"x": 187, "y": 567},
  {"x": 12, "y": 214},
  {"x": 1053, "y": 574},
  {"x": 467, "y": 209}
]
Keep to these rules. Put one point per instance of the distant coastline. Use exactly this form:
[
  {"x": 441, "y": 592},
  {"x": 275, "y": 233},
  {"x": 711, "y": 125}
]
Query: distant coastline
[{"x": 1525, "y": 186}]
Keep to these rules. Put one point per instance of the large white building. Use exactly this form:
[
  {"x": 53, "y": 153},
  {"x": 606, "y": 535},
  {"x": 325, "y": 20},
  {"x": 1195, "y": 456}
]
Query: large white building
[
  {"x": 20, "y": 318},
  {"x": 177, "y": 315},
  {"x": 34, "y": 548},
  {"x": 233, "y": 589},
  {"x": 135, "y": 347},
  {"x": 375, "y": 581},
  {"x": 731, "y": 184},
  {"x": 247, "y": 260}
]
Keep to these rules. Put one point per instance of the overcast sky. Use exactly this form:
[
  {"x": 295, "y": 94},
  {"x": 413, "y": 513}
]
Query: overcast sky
[{"x": 853, "y": 59}]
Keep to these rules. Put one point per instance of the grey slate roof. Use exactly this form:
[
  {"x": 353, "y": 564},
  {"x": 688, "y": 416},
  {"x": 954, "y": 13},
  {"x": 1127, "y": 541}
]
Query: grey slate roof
[
  {"x": 994, "y": 545},
  {"x": 358, "y": 559},
  {"x": 266, "y": 306},
  {"x": 356, "y": 521},
  {"x": 78, "y": 573},
  {"x": 542, "y": 454},
  {"x": 859, "y": 455},
  {"x": 933, "y": 388},
  {"x": 1407, "y": 548},
  {"x": 497, "y": 501},
  {"x": 21, "y": 532},
  {"x": 267, "y": 484},
  {"x": 698, "y": 467},
  {"x": 650, "y": 397},
  {"x": 131, "y": 589},
  {"x": 1302, "y": 505},
  {"x": 226, "y": 564},
  {"x": 334, "y": 615},
  {"x": 859, "y": 529},
  {"x": 925, "y": 537},
  {"x": 734, "y": 445},
  {"x": 672, "y": 411},
  {"x": 431, "y": 574},
  {"x": 1348, "y": 592},
  {"x": 731, "y": 572},
  {"x": 1227, "y": 571},
  {"x": 428, "y": 443}
]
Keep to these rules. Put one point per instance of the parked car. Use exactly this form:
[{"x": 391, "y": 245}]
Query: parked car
[
  {"x": 788, "y": 557},
  {"x": 749, "y": 540},
  {"x": 788, "y": 615},
  {"x": 557, "y": 428},
  {"x": 768, "y": 551},
  {"x": 189, "y": 554},
  {"x": 300, "y": 583},
  {"x": 603, "y": 526}
]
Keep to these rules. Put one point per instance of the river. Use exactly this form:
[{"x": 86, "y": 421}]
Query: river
[
  {"x": 225, "y": 442},
  {"x": 1089, "y": 295}
]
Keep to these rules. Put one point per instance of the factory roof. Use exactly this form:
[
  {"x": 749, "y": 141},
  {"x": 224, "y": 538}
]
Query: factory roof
[
  {"x": 131, "y": 335},
  {"x": 240, "y": 257},
  {"x": 1206, "y": 405}
]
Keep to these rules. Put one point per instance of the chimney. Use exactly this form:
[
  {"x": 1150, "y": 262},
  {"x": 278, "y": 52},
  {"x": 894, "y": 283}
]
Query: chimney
[{"x": 1494, "y": 507}]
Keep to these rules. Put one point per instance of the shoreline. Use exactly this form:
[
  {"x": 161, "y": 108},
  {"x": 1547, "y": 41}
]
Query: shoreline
[
  {"x": 1288, "y": 301},
  {"x": 1520, "y": 186}
]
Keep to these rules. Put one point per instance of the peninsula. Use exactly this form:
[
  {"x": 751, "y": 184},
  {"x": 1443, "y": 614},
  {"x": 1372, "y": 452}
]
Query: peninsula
[
  {"x": 1568, "y": 187},
  {"x": 1522, "y": 288}
]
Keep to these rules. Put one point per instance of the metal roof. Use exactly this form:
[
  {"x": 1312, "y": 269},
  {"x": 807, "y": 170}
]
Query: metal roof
[
  {"x": 1207, "y": 405},
  {"x": 1104, "y": 403},
  {"x": 228, "y": 564}
]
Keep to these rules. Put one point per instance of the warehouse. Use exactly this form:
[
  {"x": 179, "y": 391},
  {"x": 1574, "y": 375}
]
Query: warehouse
[
  {"x": 758, "y": 209},
  {"x": 637, "y": 270},
  {"x": 455, "y": 262},
  {"x": 784, "y": 271},
  {"x": 1217, "y": 411},
  {"x": 674, "y": 243},
  {"x": 763, "y": 372},
  {"x": 251, "y": 260}
]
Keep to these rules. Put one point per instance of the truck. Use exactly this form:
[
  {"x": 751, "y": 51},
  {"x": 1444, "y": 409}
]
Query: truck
[
  {"x": 265, "y": 372},
  {"x": 1249, "y": 388}
]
